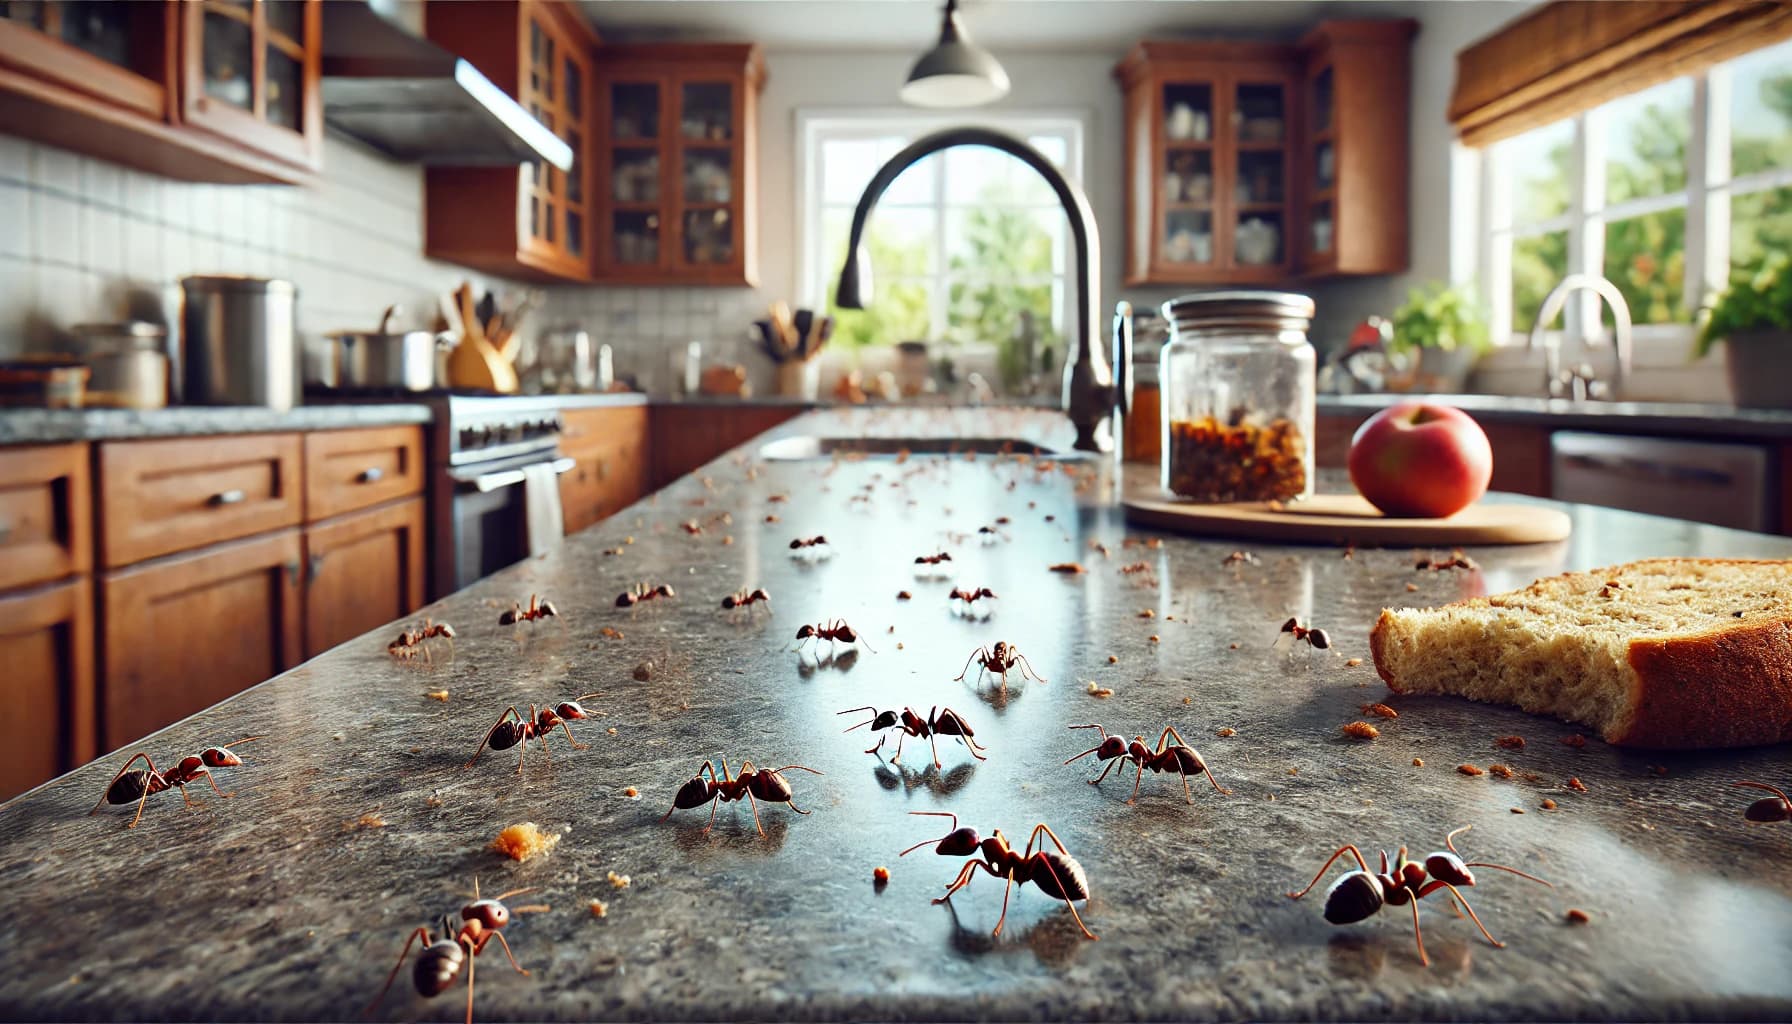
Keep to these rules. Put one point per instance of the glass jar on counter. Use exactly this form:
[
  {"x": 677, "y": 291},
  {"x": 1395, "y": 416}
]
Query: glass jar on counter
[{"x": 1237, "y": 383}]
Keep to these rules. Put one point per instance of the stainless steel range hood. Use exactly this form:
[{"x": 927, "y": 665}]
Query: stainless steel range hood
[{"x": 415, "y": 101}]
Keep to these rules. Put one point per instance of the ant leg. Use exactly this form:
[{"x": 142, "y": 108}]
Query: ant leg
[
  {"x": 1027, "y": 668},
  {"x": 1104, "y": 772},
  {"x": 489, "y": 936},
  {"x": 880, "y": 741},
  {"x": 934, "y": 739},
  {"x": 901, "y": 735},
  {"x": 406, "y": 951},
  {"x": 971, "y": 744},
  {"x": 965, "y": 874},
  {"x": 756, "y": 822},
  {"x": 1419, "y": 936},
  {"x": 508, "y": 712},
  {"x": 1342, "y": 850},
  {"x": 714, "y": 806},
  {"x": 472, "y": 961},
  {"x": 978, "y": 656},
  {"x": 576, "y": 745},
  {"x": 1140, "y": 777},
  {"x": 1078, "y": 918},
  {"x": 1006, "y": 890},
  {"x": 120, "y": 775},
  {"x": 1189, "y": 796},
  {"x": 1497, "y": 944},
  {"x": 209, "y": 778}
]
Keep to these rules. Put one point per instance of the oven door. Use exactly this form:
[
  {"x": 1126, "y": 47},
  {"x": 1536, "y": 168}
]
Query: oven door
[{"x": 490, "y": 521}]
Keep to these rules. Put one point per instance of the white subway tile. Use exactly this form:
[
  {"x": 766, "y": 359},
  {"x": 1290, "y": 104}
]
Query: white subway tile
[
  {"x": 56, "y": 169},
  {"x": 142, "y": 255},
  {"x": 15, "y": 159},
  {"x": 102, "y": 251},
  {"x": 15, "y": 215},
  {"x": 105, "y": 183},
  {"x": 56, "y": 229}
]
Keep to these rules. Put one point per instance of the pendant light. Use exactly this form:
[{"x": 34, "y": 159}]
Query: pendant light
[{"x": 956, "y": 72}]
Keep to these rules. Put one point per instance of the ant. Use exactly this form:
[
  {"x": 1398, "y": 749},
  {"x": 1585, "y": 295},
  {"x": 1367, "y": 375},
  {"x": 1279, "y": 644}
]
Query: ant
[
  {"x": 1769, "y": 808},
  {"x": 836, "y": 631},
  {"x": 809, "y": 542},
  {"x": 938, "y": 722},
  {"x": 990, "y": 534},
  {"x": 1241, "y": 558},
  {"x": 1058, "y": 875},
  {"x": 998, "y": 660},
  {"x": 137, "y": 784},
  {"x": 1316, "y": 637},
  {"x": 642, "y": 592},
  {"x": 744, "y": 598},
  {"x": 1360, "y": 894},
  {"x": 539, "y": 608},
  {"x": 411, "y": 641},
  {"x": 512, "y": 728},
  {"x": 1181, "y": 758},
  {"x": 442, "y": 958},
  {"x": 969, "y": 595},
  {"x": 761, "y": 784},
  {"x": 932, "y": 559}
]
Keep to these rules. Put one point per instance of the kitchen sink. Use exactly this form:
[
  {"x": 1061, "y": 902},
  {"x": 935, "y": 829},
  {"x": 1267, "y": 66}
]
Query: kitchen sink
[{"x": 789, "y": 449}]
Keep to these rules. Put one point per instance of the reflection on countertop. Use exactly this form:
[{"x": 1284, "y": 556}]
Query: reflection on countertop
[{"x": 1690, "y": 419}]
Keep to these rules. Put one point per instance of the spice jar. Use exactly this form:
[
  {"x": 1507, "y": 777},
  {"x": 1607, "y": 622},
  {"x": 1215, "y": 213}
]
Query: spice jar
[{"x": 1237, "y": 384}]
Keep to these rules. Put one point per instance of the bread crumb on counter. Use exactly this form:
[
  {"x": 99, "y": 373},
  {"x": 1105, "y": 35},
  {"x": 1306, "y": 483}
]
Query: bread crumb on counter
[
  {"x": 1099, "y": 691},
  {"x": 1352, "y": 662},
  {"x": 1380, "y": 710},
  {"x": 1548, "y": 804},
  {"x": 1517, "y": 810},
  {"x": 1500, "y": 770},
  {"x": 1412, "y": 587},
  {"x": 441, "y": 695},
  {"x": 1154, "y": 638},
  {"x": 1113, "y": 659},
  {"x": 1361, "y": 731},
  {"x": 1418, "y": 762},
  {"x": 1509, "y": 742},
  {"x": 632, "y": 793},
  {"x": 1576, "y": 740},
  {"x": 880, "y": 876},
  {"x": 618, "y": 881},
  {"x": 599, "y": 908},
  {"x": 1576, "y": 915},
  {"x": 1227, "y": 731},
  {"x": 371, "y": 819},
  {"x": 520, "y": 842},
  {"x": 1469, "y": 769},
  {"x": 1577, "y": 785}
]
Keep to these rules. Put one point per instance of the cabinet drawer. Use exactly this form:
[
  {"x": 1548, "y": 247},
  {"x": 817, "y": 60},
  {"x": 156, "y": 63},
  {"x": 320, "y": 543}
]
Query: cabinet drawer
[
  {"x": 585, "y": 429},
  {"x": 185, "y": 633},
  {"x": 361, "y": 572},
  {"x": 158, "y": 497},
  {"x": 346, "y": 470},
  {"x": 44, "y": 514},
  {"x": 46, "y": 642}
]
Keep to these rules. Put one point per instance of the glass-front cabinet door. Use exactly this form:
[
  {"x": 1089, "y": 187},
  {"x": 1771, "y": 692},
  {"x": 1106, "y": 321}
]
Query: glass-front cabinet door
[
  {"x": 114, "y": 50},
  {"x": 1257, "y": 230},
  {"x": 708, "y": 131},
  {"x": 634, "y": 199},
  {"x": 251, "y": 71},
  {"x": 554, "y": 218},
  {"x": 1187, "y": 188},
  {"x": 1321, "y": 156}
]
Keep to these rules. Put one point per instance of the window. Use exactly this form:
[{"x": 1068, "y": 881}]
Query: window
[
  {"x": 959, "y": 244},
  {"x": 1661, "y": 192}
]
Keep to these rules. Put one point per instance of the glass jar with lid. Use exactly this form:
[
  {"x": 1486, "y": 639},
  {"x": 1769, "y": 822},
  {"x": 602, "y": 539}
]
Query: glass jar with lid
[{"x": 1237, "y": 384}]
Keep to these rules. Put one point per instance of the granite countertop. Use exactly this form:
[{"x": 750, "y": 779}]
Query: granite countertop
[
  {"x": 1676, "y": 419},
  {"x": 49, "y": 426},
  {"x": 353, "y": 821}
]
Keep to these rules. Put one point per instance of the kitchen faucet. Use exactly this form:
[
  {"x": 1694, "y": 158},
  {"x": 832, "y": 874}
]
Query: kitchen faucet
[
  {"x": 1578, "y": 382},
  {"x": 1094, "y": 395}
]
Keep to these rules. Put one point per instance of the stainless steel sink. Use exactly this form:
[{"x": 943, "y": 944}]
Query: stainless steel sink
[{"x": 789, "y": 449}]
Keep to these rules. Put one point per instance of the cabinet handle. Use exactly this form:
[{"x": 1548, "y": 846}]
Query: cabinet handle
[
  {"x": 233, "y": 496},
  {"x": 313, "y": 567},
  {"x": 292, "y": 573},
  {"x": 372, "y": 474}
]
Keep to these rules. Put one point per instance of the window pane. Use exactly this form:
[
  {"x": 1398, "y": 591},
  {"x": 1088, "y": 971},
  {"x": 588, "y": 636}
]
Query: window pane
[
  {"x": 903, "y": 311},
  {"x": 1052, "y": 147},
  {"x": 846, "y": 167},
  {"x": 1003, "y": 241},
  {"x": 989, "y": 312},
  {"x": 1539, "y": 163},
  {"x": 1761, "y": 110},
  {"x": 899, "y": 240},
  {"x": 1645, "y": 141},
  {"x": 1538, "y": 264},
  {"x": 1646, "y": 258},
  {"x": 1760, "y": 223}
]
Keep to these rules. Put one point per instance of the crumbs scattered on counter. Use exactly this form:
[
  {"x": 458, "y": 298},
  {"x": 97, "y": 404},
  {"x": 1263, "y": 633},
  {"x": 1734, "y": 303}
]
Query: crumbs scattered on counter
[
  {"x": 1069, "y": 568},
  {"x": 1548, "y": 804},
  {"x": 1576, "y": 740},
  {"x": 1501, "y": 770},
  {"x": 520, "y": 842},
  {"x": 1353, "y": 662},
  {"x": 1469, "y": 769},
  {"x": 880, "y": 876},
  {"x": 599, "y": 908},
  {"x": 1412, "y": 587},
  {"x": 441, "y": 695},
  {"x": 435, "y": 800},
  {"x": 1227, "y": 731},
  {"x": 631, "y": 793},
  {"x": 644, "y": 671},
  {"x": 611, "y": 730},
  {"x": 371, "y": 819},
  {"x": 1113, "y": 659},
  {"x": 1380, "y": 710},
  {"x": 1361, "y": 731},
  {"x": 1146, "y": 613},
  {"x": 1576, "y": 915},
  {"x": 1509, "y": 742},
  {"x": 899, "y": 645},
  {"x": 903, "y": 595},
  {"x": 610, "y": 633},
  {"x": 618, "y": 881},
  {"x": 1517, "y": 810},
  {"x": 1099, "y": 691},
  {"x": 1154, "y": 638},
  {"x": 1577, "y": 785},
  {"x": 1234, "y": 647},
  {"x": 1418, "y": 762}
]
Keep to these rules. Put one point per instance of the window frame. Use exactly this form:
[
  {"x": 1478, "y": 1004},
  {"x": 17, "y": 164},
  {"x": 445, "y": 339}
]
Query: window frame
[
  {"x": 815, "y": 127},
  {"x": 1710, "y": 188}
]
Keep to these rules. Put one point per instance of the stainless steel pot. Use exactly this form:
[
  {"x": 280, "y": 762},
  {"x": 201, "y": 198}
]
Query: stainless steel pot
[
  {"x": 238, "y": 344},
  {"x": 405, "y": 361},
  {"x": 130, "y": 368}
]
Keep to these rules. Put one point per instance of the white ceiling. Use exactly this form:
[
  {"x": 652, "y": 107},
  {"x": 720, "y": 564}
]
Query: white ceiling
[{"x": 1052, "y": 25}]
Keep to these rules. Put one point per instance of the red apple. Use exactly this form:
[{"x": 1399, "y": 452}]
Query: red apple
[{"x": 1416, "y": 459}]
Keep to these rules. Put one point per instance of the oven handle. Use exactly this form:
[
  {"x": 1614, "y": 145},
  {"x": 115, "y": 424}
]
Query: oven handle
[{"x": 485, "y": 483}]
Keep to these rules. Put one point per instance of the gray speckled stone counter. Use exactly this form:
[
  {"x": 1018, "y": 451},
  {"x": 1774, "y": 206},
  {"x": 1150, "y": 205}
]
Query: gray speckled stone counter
[
  {"x": 277, "y": 904},
  {"x": 49, "y": 426},
  {"x": 1667, "y": 419}
]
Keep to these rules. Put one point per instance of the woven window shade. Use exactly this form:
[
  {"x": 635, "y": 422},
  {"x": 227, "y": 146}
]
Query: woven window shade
[{"x": 1572, "y": 55}]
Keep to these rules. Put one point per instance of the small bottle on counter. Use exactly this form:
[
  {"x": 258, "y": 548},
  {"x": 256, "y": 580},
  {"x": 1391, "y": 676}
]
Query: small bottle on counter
[{"x": 1237, "y": 388}]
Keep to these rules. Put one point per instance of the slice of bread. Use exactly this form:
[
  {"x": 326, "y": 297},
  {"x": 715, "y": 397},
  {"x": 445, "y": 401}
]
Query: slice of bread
[{"x": 1671, "y": 653}]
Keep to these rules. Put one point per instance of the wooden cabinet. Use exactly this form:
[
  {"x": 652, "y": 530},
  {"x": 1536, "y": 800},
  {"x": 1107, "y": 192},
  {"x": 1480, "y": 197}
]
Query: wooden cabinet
[
  {"x": 610, "y": 455},
  {"x": 48, "y": 699},
  {"x": 677, "y": 158},
  {"x": 1249, "y": 162},
  {"x": 162, "y": 496},
  {"x": 346, "y": 470},
  {"x": 685, "y": 436},
  {"x": 44, "y": 514},
  {"x": 361, "y": 571},
  {"x": 197, "y": 90},
  {"x": 183, "y": 633},
  {"x": 534, "y": 220},
  {"x": 1353, "y": 170}
]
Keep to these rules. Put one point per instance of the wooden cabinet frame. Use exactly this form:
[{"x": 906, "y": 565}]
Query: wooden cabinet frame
[
  {"x": 250, "y": 127},
  {"x": 148, "y": 93},
  {"x": 69, "y": 723}
]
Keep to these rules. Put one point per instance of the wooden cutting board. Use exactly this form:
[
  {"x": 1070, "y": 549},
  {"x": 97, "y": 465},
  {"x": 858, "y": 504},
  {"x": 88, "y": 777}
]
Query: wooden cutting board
[{"x": 1349, "y": 519}]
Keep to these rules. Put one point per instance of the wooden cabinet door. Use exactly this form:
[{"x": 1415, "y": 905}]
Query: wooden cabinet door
[
  {"x": 184, "y": 633},
  {"x": 250, "y": 73},
  {"x": 119, "y": 54},
  {"x": 162, "y": 496},
  {"x": 362, "y": 571},
  {"x": 46, "y": 644},
  {"x": 45, "y": 515},
  {"x": 346, "y": 470},
  {"x": 633, "y": 240}
]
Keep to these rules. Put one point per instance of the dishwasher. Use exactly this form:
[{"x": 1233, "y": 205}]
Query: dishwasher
[{"x": 1721, "y": 483}]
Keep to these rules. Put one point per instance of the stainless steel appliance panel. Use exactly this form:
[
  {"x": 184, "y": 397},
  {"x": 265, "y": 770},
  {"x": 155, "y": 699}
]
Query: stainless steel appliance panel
[{"x": 1725, "y": 484}]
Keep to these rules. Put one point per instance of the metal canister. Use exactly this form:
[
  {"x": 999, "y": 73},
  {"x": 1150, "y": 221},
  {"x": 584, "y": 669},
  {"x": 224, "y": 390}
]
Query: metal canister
[
  {"x": 239, "y": 344},
  {"x": 130, "y": 367}
]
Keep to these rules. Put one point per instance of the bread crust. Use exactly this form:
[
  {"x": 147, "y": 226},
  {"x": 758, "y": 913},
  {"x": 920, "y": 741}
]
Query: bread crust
[{"x": 1728, "y": 686}]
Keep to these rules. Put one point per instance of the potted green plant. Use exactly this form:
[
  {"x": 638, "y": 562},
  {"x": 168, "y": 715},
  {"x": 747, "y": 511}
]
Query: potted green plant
[
  {"x": 1446, "y": 328},
  {"x": 1753, "y": 318}
]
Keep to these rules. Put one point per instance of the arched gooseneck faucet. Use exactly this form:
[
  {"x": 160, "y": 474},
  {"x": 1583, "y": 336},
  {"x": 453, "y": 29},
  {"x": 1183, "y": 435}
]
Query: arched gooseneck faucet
[{"x": 1093, "y": 392}]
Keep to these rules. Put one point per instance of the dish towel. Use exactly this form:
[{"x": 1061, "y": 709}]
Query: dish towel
[{"x": 541, "y": 507}]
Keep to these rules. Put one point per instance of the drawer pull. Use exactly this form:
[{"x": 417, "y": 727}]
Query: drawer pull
[
  {"x": 372, "y": 474},
  {"x": 233, "y": 496},
  {"x": 314, "y": 566}
]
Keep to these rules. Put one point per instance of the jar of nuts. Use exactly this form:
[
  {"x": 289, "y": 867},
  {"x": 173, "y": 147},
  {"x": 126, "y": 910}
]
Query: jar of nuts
[{"x": 1237, "y": 387}]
